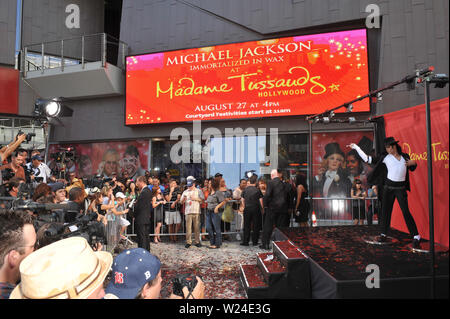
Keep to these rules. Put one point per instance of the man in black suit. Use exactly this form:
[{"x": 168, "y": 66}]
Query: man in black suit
[
  {"x": 275, "y": 200},
  {"x": 392, "y": 172},
  {"x": 142, "y": 213}
]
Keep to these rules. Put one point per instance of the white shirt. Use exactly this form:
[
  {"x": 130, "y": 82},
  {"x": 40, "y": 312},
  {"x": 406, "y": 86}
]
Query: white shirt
[
  {"x": 41, "y": 171},
  {"x": 396, "y": 168},
  {"x": 192, "y": 206}
]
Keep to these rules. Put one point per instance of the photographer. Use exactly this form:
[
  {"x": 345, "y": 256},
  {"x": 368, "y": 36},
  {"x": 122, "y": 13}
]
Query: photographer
[
  {"x": 7, "y": 150},
  {"x": 39, "y": 171},
  {"x": 17, "y": 161},
  {"x": 136, "y": 274}
]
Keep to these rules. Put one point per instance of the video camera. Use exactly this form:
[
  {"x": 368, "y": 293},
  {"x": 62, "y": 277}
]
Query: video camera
[
  {"x": 96, "y": 181},
  {"x": 65, "y": 222},
  {"x": 85, "y": 226},
  {"x": 64, "y": 155}
]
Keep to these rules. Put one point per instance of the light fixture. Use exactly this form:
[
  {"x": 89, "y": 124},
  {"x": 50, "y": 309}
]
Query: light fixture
[
  {"x": 351, "y": 120},
  {"x": 332, "y": 114},
  {"x": 380, "y": 96},
  {"x": 349, "y": 108},
  {"x": 53, "y": 108},
  {"x": 326, "y": 120},
  {"x": 440, "y": 80},
  {"x": 316, "y": 120}
]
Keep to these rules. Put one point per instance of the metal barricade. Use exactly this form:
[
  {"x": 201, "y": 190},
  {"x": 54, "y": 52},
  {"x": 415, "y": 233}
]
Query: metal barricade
[
  {"x": 112, "y": 231},
  {"x": 235, "y": 227},
  {"x": 344, "y": 210}
]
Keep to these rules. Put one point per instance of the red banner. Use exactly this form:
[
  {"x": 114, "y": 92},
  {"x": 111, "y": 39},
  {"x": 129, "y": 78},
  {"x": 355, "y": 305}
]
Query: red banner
[
  {"x": 279, "y": 77},
  {"x": 409, "y": 127},
  {"x": 9, "y": 91}
]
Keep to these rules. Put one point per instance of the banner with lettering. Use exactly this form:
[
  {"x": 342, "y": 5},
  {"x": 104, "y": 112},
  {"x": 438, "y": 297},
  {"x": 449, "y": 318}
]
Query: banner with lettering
[
  {"x": 409, "y": 127},
  {"x": 279, "y": 77}
]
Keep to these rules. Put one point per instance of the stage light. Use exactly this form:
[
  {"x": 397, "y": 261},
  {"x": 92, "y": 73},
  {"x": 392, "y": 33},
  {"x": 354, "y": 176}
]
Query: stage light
[
  {"x": 316, "y": 120},
  {"x": 332, "y": 114},
  {"x": 351, "y": 120},
  {"x": 52, "y": 109},
  {"x": 326, "y": 120},
  {"x": 380, "y": 96},
  {"x": 349, "y": 108},
  {"x": 440, "y": 80}
]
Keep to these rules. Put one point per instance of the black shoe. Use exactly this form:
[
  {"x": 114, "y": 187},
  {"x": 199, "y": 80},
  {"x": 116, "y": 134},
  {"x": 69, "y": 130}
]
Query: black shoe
[
  {"x": 416, "y": 243},
  {"x": 198, "y": 245},
  {"x": 255, "y": 244},
  {"x": 187, "y": 246},
  {"x": 266, "y": 247},
  {"x": 244, "y": 244}
]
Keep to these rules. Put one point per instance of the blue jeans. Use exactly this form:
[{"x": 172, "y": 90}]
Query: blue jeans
[{"x": 213, "y": 227}]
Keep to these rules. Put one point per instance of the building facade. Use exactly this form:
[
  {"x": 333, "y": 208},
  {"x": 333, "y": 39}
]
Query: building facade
[{"x": 409, "y": 35}]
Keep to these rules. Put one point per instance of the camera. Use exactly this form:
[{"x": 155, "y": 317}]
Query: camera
[
  {"x": 85, "y": 226},
  {"x": 183, "y": 280},
  {"x": 7, "y": 174},
  {"x": 28, "y": 137}
]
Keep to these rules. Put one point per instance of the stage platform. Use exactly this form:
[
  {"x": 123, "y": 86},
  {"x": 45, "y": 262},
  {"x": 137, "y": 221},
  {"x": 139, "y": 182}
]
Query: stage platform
[
  {"x": 331, "y": 262},
  {"x": 338, "y": 257}
]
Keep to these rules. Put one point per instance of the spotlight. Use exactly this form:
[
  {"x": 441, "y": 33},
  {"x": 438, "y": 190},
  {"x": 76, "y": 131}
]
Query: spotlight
[
  {"x": 316, "y": 120},
  {"x": 52, "y": 109},
  {"x": 380, "y": 96},
  {"x": 440, "y": 80},
  {"x": 349, "y": 108},
  {"x": 326, "y": 120},
  {"x": 351, "y": 120},
  {"x": 332, "y": 114}
]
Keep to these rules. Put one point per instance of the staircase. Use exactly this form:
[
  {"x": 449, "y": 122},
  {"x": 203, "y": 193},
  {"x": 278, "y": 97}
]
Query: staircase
[{"x": 280, "y": 274}]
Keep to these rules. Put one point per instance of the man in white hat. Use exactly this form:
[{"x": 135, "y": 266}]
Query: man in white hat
[
  {"x": 66, "y": 269},
  {"x": 17, "y": 241}
]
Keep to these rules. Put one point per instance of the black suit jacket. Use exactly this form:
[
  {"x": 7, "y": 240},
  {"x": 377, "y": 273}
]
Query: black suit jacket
[
  {"x": 379, "y": 174},
  {"x": 142, "y": 207},
  {"x": 276, "y": 195}
]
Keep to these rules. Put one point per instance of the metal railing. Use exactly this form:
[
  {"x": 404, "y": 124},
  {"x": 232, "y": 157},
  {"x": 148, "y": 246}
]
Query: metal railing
[
  {"x": 344, "y": 210},
  {"x": 328, "y": 211},
  {"x": 74, "y": 51}
]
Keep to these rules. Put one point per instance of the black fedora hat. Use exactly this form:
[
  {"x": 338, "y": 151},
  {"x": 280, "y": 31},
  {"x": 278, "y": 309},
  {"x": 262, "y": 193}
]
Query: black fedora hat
[
  {"x": 390, "y": 141},
  {"x": 333, "y": 148},
  {"x": 366, "y": 144}
]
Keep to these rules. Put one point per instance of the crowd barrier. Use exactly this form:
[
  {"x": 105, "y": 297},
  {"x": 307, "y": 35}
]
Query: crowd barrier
[{"x": 327, "y": 211}]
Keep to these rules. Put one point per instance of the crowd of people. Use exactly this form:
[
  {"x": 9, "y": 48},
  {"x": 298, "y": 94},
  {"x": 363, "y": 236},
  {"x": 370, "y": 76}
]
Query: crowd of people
[{"x": 202, "y": 207}]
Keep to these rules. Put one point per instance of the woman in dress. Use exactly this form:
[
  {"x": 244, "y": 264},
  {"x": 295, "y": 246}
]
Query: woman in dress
[
  {"x": 158, "y": 203},
  {"x": 302, "y": 205},
  {"x": 358, "y": 202}
]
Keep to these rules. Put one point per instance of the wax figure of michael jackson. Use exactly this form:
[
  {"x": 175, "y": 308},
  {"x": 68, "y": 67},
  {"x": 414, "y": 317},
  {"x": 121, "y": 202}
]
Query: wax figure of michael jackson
[{"x": 391, "y": 170}]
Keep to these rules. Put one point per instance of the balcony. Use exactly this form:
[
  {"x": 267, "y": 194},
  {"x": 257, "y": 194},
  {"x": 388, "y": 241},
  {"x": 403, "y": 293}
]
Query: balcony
[{"x": 76, "y": 68}]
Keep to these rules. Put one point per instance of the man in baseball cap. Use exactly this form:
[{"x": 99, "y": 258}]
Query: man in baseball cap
[{"x": 136, "y": 274}]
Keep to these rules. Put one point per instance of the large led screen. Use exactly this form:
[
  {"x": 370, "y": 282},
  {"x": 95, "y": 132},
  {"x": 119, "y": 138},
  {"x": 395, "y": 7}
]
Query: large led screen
[{"x": 270, "y": 78}]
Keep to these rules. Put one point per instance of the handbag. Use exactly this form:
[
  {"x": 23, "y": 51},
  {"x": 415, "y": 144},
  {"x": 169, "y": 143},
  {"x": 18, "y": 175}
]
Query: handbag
[{"x": 228, "y": 214}]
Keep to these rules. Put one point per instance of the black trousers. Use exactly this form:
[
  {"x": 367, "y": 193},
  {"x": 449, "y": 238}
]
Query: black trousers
[
  {"x": 389, "y": 196},
  {"x": 252, "y": 224},
  {"x": 142, "y": 231},
  {"x": 272, "y": 218}
]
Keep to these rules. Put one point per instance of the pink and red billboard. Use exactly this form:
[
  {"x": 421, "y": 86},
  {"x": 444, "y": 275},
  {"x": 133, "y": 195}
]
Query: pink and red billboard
[{"x": 268, "y": 78}]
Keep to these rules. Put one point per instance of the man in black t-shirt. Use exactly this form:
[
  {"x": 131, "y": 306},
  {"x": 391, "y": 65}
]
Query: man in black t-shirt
[{"x": 252, "y": 200}]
